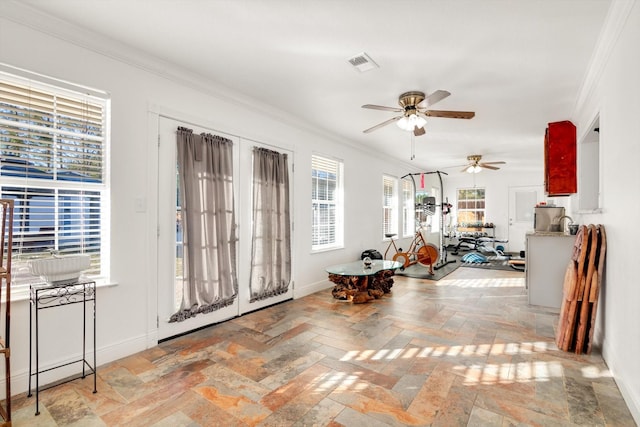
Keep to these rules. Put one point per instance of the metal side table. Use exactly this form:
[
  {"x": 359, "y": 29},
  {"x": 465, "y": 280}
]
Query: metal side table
[{"x": 45, "y": 296}]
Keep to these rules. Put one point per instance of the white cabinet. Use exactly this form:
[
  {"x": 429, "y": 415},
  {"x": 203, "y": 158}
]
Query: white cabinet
[{"x": 547, "y": 257}]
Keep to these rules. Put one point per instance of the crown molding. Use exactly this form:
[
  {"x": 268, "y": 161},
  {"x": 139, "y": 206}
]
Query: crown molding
[
  {"x": 39, "y": 21},
  {"x": 613, "y": 25}
]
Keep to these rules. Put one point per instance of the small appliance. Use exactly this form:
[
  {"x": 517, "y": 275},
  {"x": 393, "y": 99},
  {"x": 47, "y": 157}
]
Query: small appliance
[{"x": 545, "y": 216}]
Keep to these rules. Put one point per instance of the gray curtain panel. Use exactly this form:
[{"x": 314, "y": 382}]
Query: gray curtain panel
[
  {"x": 205, "y": 173},
  {"x": 271, "y": 246}
]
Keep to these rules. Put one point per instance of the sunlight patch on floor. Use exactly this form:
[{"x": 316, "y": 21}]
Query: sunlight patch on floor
[
  {"x": 595, "y": 372},
  {"x": 508, "y": 373},
  {"x": 483, "y": 350},
  {"x": 513, "y": 282},
  {"x": 339, "y": 381},
  {"x": 479, "y": 373}
]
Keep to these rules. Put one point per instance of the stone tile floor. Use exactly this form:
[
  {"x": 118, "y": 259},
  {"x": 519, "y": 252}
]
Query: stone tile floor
[{"x": 464, "y": 351}]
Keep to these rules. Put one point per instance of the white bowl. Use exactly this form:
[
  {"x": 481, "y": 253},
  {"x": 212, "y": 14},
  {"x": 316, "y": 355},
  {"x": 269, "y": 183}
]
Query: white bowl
[{"x": 60, "y": 269}]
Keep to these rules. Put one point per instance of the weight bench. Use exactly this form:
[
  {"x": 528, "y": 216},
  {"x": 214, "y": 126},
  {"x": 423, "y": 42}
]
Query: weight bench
[{"x": 478, "y": 244}]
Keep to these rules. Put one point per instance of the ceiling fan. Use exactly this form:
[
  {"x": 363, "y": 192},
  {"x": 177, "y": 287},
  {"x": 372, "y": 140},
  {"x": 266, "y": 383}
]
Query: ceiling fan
[
  {"x": 475, "y": 166},
  {"x": 414, "y": 107}
]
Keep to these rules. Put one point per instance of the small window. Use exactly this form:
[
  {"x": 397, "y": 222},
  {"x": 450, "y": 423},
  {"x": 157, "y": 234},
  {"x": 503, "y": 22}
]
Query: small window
[
  {"x": 471, "y": 206},
  {"x": 53, "y": 150},
  {"x": 434, "y": 219},
  {"x": 389, "y": 206},
  {"x": 408, "y": 209},
  {"x": 326, "y": 203}
]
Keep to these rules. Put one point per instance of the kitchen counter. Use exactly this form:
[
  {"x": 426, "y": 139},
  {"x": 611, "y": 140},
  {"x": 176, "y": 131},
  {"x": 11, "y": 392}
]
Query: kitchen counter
[
  {"x": 547, "y": 256},
  {"x": 548, "y": 233}
]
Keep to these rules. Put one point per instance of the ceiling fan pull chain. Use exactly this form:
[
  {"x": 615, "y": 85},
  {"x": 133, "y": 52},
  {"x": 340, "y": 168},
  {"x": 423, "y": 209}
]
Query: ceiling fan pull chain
[{"x": 413, "y": 146}]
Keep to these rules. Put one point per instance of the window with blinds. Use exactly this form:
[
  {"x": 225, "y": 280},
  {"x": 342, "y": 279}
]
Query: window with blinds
[
  {"x": 327, "y": 206},
  {"x": 408, "y": 209},
  {"x": 389, "y": 206},
  {"x": 52, "y": 164}
]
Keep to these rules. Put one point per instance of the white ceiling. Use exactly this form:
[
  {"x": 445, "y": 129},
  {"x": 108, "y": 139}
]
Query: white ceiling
[{"x": 517, "y": 64}]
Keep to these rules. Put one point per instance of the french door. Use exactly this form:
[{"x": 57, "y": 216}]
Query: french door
[
  {"x": 246, "y": 220},
  {"x": 169, "y": 260},
  {"x": 170, "y": 235}
]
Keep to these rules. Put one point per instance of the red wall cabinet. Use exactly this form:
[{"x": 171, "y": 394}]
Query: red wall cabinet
[{"x": 560, "y": 158}]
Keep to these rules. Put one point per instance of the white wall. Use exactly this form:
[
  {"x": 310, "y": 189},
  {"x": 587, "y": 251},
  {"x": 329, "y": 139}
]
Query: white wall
[
  {"x": 127, "y": 312},
  {"x": 615, "y": 95}
]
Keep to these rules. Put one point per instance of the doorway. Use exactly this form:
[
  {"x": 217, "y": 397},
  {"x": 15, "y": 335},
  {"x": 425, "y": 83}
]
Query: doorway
[
  {"x": 169, "y": 232},
  {"x": 522, "y": 200}
]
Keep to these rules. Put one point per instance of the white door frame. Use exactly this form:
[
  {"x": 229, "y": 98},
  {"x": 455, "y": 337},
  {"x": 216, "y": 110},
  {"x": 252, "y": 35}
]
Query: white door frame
[{"x": 164, "y": 170}]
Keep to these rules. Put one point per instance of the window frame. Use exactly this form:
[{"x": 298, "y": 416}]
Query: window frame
[
  {"x": 64, "y": 175},
  {"x": 333, "y": 203},
  {"x": 408, "y": 208},
  {"x": 460, "y": 210},
  {"x": 436, "y": 217},
  {"x": 389, "y": 206}
]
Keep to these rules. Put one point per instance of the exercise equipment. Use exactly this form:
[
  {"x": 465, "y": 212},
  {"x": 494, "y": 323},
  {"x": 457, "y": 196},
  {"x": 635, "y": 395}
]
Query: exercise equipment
[
  {"x": 484, "y": 244},
  {"x": 445, "y": 208},
  {"x": 420, "y": 251}
]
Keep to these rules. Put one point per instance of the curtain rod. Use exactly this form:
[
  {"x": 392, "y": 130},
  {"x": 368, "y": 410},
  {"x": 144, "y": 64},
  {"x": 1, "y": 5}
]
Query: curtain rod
[{"x": 210, "y": 128}]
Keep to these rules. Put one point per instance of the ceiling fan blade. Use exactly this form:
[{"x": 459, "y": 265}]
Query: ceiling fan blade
[
  {"x": 436, "y": 96},
  {"x": 383, "y": 108},
  {"x": 418, "y": 131},
  {"x": 379, "y": 125},
  {"x": 486, "y": 166},
  {"x": 494, "y": 163},
  {"x": 450, "y": 114}
]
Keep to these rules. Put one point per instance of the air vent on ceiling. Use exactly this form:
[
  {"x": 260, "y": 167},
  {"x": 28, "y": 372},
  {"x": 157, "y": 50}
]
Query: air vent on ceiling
[{"x": 363, "y": 62}]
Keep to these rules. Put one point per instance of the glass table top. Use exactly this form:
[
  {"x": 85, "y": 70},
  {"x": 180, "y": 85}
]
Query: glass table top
[{"x": 357, "y": 268}]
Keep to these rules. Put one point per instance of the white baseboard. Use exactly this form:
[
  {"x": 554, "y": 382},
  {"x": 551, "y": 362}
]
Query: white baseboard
[
  {"x": 299, "y": 292},
  {"x": 20, "y": 380},
  {"x": 624, "y": 384}
]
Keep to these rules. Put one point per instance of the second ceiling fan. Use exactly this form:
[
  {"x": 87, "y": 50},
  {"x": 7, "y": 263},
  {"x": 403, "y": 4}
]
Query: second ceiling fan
[
  {"x": 414, "y": 106},
  {"x": 476, "y": 166}
]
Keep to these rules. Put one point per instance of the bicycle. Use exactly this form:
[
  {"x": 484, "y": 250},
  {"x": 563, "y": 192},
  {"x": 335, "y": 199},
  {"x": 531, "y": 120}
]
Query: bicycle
[{"x": 420, "y": 251}]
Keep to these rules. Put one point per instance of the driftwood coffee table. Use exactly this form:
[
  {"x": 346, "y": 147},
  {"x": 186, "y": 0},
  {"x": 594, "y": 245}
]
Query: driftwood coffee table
[{"x": 359, "y": 283}]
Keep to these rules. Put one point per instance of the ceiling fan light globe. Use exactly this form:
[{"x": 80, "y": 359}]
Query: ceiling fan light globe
[
  {"x": 410, "y": 122},
  {"x": 476, "y": 169},
  {"x": 404, "y": 124}
]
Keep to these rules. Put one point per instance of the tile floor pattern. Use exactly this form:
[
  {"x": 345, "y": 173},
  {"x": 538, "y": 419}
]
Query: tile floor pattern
[{"x": 464, "y": 351}]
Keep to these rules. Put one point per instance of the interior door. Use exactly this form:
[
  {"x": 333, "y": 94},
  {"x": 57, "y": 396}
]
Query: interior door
[
  {"x": 169, "y": 234},
  {"x": 522, "y": 200}
]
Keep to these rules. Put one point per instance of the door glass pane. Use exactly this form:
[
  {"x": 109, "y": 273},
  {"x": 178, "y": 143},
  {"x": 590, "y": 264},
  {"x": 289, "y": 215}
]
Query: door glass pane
[
  {"x": 179, "y": 250},
  {"x": 525, "y": 202}
]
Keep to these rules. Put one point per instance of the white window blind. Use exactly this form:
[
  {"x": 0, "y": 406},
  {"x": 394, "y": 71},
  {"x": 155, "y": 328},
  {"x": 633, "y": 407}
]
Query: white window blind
[
  {"x": 408, "y": 209},
  {"x": 326, "y": 187},
  {"x": 389, "y": 206},
  {"x": 52, "y": 164}
]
